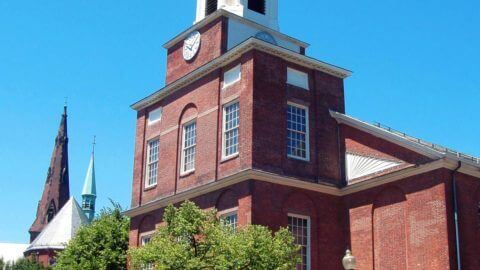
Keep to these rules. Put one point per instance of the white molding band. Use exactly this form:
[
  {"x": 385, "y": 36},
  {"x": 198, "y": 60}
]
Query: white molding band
[
  {"x": 233, "y": 55},
  {"x": 324, "y": 188},
  {"x": 224, "y": 13}
]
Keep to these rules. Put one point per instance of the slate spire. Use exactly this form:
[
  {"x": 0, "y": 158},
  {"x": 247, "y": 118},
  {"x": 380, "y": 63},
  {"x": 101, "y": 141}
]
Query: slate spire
[{"x": 56, "y": 191}]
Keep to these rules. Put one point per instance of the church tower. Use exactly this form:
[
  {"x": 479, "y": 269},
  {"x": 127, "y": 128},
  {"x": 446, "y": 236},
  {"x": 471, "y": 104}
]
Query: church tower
[
  {"x": 89, "y": 192},
  {"x": 56, "y": 191}
]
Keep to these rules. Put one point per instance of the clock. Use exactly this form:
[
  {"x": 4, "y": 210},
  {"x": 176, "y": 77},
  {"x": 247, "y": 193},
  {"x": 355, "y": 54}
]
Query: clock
[
  {"x": 191, "y": 45},
  {"x": 267, "y": 37}
]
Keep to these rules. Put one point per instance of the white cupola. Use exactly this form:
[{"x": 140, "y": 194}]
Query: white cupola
[{"x": 264, "y": 12}]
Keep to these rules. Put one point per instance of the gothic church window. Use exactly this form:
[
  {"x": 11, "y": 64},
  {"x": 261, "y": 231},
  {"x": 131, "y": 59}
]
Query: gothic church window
[
  {"x": 50, "y": 212},
  {"x": 257, "y": 6},
  {"x": 210, "y": 6}
]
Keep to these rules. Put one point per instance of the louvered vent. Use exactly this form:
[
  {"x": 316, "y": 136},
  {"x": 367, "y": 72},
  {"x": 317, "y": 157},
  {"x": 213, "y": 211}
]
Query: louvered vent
[
  {"x": 210, "y": 7},
  {"x": 257, "y": 6}
]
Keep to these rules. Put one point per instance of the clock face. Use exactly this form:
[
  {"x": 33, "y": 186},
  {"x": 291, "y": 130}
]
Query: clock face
[{"x": 191, "y": 45}]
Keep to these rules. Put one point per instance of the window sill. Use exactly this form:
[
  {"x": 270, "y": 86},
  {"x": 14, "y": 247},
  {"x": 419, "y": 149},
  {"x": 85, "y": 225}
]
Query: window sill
[
  {"x": 300, "y": 87},
  {"x": 225, "y": 86},
  {"x": 298, "y": 159},
  {"x": 150, "y": 187},
  {"x": 226, "y": 159},
  {"x": 185, "y": 174}
]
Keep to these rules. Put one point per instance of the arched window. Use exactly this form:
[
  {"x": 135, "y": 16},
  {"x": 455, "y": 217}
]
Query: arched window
[
  {"x": 210, "y": 6},
  {"x": 51, "y": 212},
  {"x": 257, "y": 6}
]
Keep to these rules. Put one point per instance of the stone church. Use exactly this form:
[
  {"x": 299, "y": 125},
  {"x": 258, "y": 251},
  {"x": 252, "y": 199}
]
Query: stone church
[
  {"x": 59, "y": 216},
  {"x": 252, "y": 125}
]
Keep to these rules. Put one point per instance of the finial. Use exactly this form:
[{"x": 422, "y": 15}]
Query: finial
[
  {"x": 65, "y": 105},
  {"x": 94, "y": 143}
]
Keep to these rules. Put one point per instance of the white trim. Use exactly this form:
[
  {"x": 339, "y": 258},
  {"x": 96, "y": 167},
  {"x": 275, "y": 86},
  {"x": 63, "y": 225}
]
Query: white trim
[
  {"x": 305, "y": 78},
  {"x": 309, "y": 236},
  {"x": 233, "y": 55},
  {"x": 184, "y": 172},
  {"x": 222, "y": 12},
  {"x": 307, "y": 134},
  {"x": 158, "y": 110},
  {"x": 236, "y": 69},
  {"x": 148, "y": 163},
  {"x": 224, "y": 126}
]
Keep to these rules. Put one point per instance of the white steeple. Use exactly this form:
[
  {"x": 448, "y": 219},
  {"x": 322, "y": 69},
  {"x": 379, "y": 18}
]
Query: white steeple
[{"x": 264, "y": 12}]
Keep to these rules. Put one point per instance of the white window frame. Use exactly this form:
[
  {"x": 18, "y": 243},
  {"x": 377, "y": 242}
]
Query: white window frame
[
  {"x": 307, "y": 133},
  {"x": 228, "y": 213},
  {"x": 182, "y": 169},
  {"x": 235, "y": 72},
  {"x": 158, "y": 111},
  {"x": 309, "y": 236},
  {"x": 148, "y": 163},
  {"x": 143, "y": 236},
  {"x": 224, "y": 131},
  {"x": 302, "y": 77}
]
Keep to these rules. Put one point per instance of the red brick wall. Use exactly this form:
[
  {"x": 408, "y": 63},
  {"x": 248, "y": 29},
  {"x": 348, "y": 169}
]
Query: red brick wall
[
  {"x": 212, "y": 45},
  {"x": 404, "y": 224},
  {"x": 238, "y": 195},
  {"x": 272, "y": 204},
  {"x": 360, "y": 142},
  {"x": 468, "y": 190},
  {"x": 271, "y": 94}
]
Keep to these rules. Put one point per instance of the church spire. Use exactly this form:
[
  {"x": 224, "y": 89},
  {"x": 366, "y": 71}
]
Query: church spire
[
  {"x": 56, "y": 191},
  {"x": 89, "y": 192}
]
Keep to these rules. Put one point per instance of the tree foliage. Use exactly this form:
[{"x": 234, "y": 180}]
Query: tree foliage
[
  {"x": 22, "y": 264},
  {"x": 193, "y": 239},
  {"x": 101, "y": 245}
]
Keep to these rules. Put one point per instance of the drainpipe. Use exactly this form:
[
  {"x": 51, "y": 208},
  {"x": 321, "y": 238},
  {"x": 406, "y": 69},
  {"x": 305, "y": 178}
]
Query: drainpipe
[{"x": 455, "y": 213}]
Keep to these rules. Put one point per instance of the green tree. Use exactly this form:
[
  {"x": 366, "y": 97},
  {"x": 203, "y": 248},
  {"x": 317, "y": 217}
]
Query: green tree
[
  {"x": 193, "y": 239},
  {"x": 24, "y": 264},
  {"x": 101, "y": 245},
  {"x": 2, "y": 263}
]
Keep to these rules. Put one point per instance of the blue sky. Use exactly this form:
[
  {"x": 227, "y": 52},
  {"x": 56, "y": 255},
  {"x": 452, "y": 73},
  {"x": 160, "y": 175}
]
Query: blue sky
[{"x": 415, "y": 63}]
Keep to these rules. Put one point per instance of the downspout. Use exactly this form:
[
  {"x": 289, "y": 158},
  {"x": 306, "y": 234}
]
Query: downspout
[{"x": 455, "y": 213}]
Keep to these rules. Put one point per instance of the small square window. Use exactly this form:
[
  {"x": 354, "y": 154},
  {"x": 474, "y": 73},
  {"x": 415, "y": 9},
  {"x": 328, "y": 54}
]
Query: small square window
[
  {"x": 297, "y": 78},
  {"x": 232, "y": 76},
  {"x": 210, "y": 6},
  {"x": 257, "y": 6},
  {"x": 155, "y": 116},
  {"x": 230, "y": 220}
]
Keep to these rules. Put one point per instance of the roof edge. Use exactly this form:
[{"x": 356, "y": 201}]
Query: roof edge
[
  {"x": 224, "y": 13},
  {"x": 234, "y": 54}
]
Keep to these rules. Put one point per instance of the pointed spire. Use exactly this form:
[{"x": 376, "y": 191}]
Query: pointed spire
[
  {"x": 57, "y": 187},
  {"x": 89, "y": 192}
]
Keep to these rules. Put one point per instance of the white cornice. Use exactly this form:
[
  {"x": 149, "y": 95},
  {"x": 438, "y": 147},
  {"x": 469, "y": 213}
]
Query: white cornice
[
  {"x": 383, "y": 134},
  {"x": 301, "y": 184},
  {"x": 222, "y": 12},
  {"x": 234, "y": 54}
]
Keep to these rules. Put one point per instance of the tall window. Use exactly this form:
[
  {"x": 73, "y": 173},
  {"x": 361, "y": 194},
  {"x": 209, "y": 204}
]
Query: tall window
[
  {"x": 144, "y": 240},
  {"x": 230, "y": 220},
  {"x": 152, "y": 163},
  {"x": 189, "y": 147},
  {"x": 257, "y": 6},
  {"x": 231, "y": 122},
  {"x": 210, "y": 6},
  {"x": 297, "y": 132},
  {"x": 300, "y": 228}
]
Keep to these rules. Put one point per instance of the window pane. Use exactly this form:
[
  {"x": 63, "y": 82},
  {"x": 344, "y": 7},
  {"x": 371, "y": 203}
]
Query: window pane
[
  {"x": 300, "y": 229},
  {"x": 230, "y": 133},
  {"x": 232, "y": 76},
  {"x": 152, "y": 165},
  {"x": 297, "y": 127},
  {"x": 189, "y": 146},
  {"x": 230, "y": 220},
  {"x": 297, "y": 78}
]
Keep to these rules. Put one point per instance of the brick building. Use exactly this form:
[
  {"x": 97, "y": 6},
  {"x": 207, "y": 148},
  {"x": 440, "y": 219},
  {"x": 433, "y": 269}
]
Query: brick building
[{"x": 249, "y": 124}]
